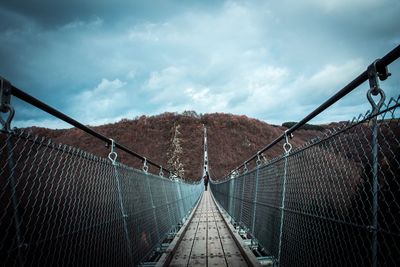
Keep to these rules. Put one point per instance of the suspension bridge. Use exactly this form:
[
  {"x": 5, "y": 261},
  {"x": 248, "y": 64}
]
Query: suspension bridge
[{"x": 334, "y": 201}]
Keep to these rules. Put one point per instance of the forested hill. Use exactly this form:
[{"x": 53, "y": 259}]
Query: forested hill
[{"x": 176, "y": 140}]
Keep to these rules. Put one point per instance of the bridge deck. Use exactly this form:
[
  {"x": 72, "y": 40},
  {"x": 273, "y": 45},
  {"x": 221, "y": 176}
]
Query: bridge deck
[{"x": 207, "y": 241}]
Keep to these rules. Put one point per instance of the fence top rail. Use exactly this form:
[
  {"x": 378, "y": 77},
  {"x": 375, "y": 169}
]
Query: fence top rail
[
  {"x": 380, "y": 65},
  {"x": 58, "y": 114}
]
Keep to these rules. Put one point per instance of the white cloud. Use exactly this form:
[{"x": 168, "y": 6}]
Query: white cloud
[
  {"x": 203, "y": 100},
  {"x": 132, "y": 74},
  {"x": 109, "y": 101},
  {"x": 270, "y": 60},
  {"x": 165, "y": 78},
  {"x": 45, "y": 123},
  {"x": 76, "y": 24},
  {"x": 105, "y": 96},
  {"x": 330, "y": 5},
  {"x": 279, "y": 94},
  {"x": 105, "y": 87},
  {"x": 327, "y": 80},
  {"x": 145, "y": 32},
  {"x": 198, "y": 96}
]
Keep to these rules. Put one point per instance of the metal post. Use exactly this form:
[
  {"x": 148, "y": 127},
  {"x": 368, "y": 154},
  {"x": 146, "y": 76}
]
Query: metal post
[
  {"x": 241, "y": 202},
  {"x": 255, "y": 199},
  {"x": 14, "y": 199},
  {"x": 154, "y": 208},
  {"x": 375, "y": 192},
  {"x": 180, "y": 202},
  {"x": 5, "y": 104},
  {"x": 287, "y": 147},
  {"x": 124, "y": 215},
  {"x": 167, "y": 203},
  {"x": 282, "y": 211},
  {"x": 375, "y": 90},
  {"x": 231, "y": 202},
  {"x": 112, "y": 156},
  {"x": 5, "y": 107}
]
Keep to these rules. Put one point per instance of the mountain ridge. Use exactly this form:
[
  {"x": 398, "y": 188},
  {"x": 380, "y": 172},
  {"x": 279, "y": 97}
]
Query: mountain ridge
[{"x": 175, "y": 140}]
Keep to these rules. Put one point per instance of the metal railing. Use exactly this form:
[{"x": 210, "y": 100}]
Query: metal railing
[
  {"x": 7, "y": 90},
  {"x": 332, "y": 202},
  {"x": 62, "y": 206}
]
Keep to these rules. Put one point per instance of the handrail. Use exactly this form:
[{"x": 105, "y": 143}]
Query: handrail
[
  {"x": 380, "y": 64},
  {"x": 41, "y": 105}
]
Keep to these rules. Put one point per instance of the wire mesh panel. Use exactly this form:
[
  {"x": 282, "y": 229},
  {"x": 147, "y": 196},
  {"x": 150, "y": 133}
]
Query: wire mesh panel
[
  {"x": 249, "y": 186},
  {"x": 334, "y": 201},
  {"x": 268, "y": 203},
  {"x": 61, "y": 206}
]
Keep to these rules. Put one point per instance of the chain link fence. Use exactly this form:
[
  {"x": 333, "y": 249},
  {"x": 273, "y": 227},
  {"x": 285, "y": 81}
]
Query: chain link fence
[
  {"x": 61, "y": 206},
  {"x": 335, "y": 201}
]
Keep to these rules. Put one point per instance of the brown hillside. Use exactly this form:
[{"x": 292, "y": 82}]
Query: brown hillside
[{"x": 176, "y": 140}]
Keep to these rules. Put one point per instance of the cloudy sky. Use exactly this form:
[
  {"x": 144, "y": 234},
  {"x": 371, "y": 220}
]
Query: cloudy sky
[{"x": 99, "y": 61}]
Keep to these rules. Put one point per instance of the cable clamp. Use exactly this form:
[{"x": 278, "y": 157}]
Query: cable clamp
[
  {"x": 287, "y": 146},
  {"x": 245, "y": 169},
  {"x": 374, "y": 75},
  {"x": 145, "y": 167},
  {"x": 5, "y": 104},
  {"x": 264, "y": 158},
  {"x": 258, "y": 161},
  {"x": 112, "y": 156}
]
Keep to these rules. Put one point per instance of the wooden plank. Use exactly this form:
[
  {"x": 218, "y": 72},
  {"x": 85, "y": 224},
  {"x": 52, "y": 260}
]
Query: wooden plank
[
  {"x": 173, "y": 247},
  {"x": 234, "y": 257},
  {"x": 198, "y": 255},
  {"x": 207, "y": 240},
  {"x": 215, "y": 253},
  {"x": 182, "y": 255},
  {"x": 231, "y": 252}
]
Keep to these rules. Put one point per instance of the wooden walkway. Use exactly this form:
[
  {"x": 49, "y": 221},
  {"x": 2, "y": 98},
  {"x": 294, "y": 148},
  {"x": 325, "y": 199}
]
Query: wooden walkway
[{"x": 207, "y": 240}]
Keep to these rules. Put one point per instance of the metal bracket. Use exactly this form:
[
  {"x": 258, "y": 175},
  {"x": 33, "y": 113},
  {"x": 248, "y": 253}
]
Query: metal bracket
[
  {"x": 145, "y": 167},
  {"x": 258, "y": 161},
  {"x": 5, "y": 103},
  {"x": 287, "y": 146},
  {"x": 245, "y": 169},
  {"x": 5, "y": 95},
  {"x": 374, "y": 73},
  {"x": 112, "y": 156}
]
